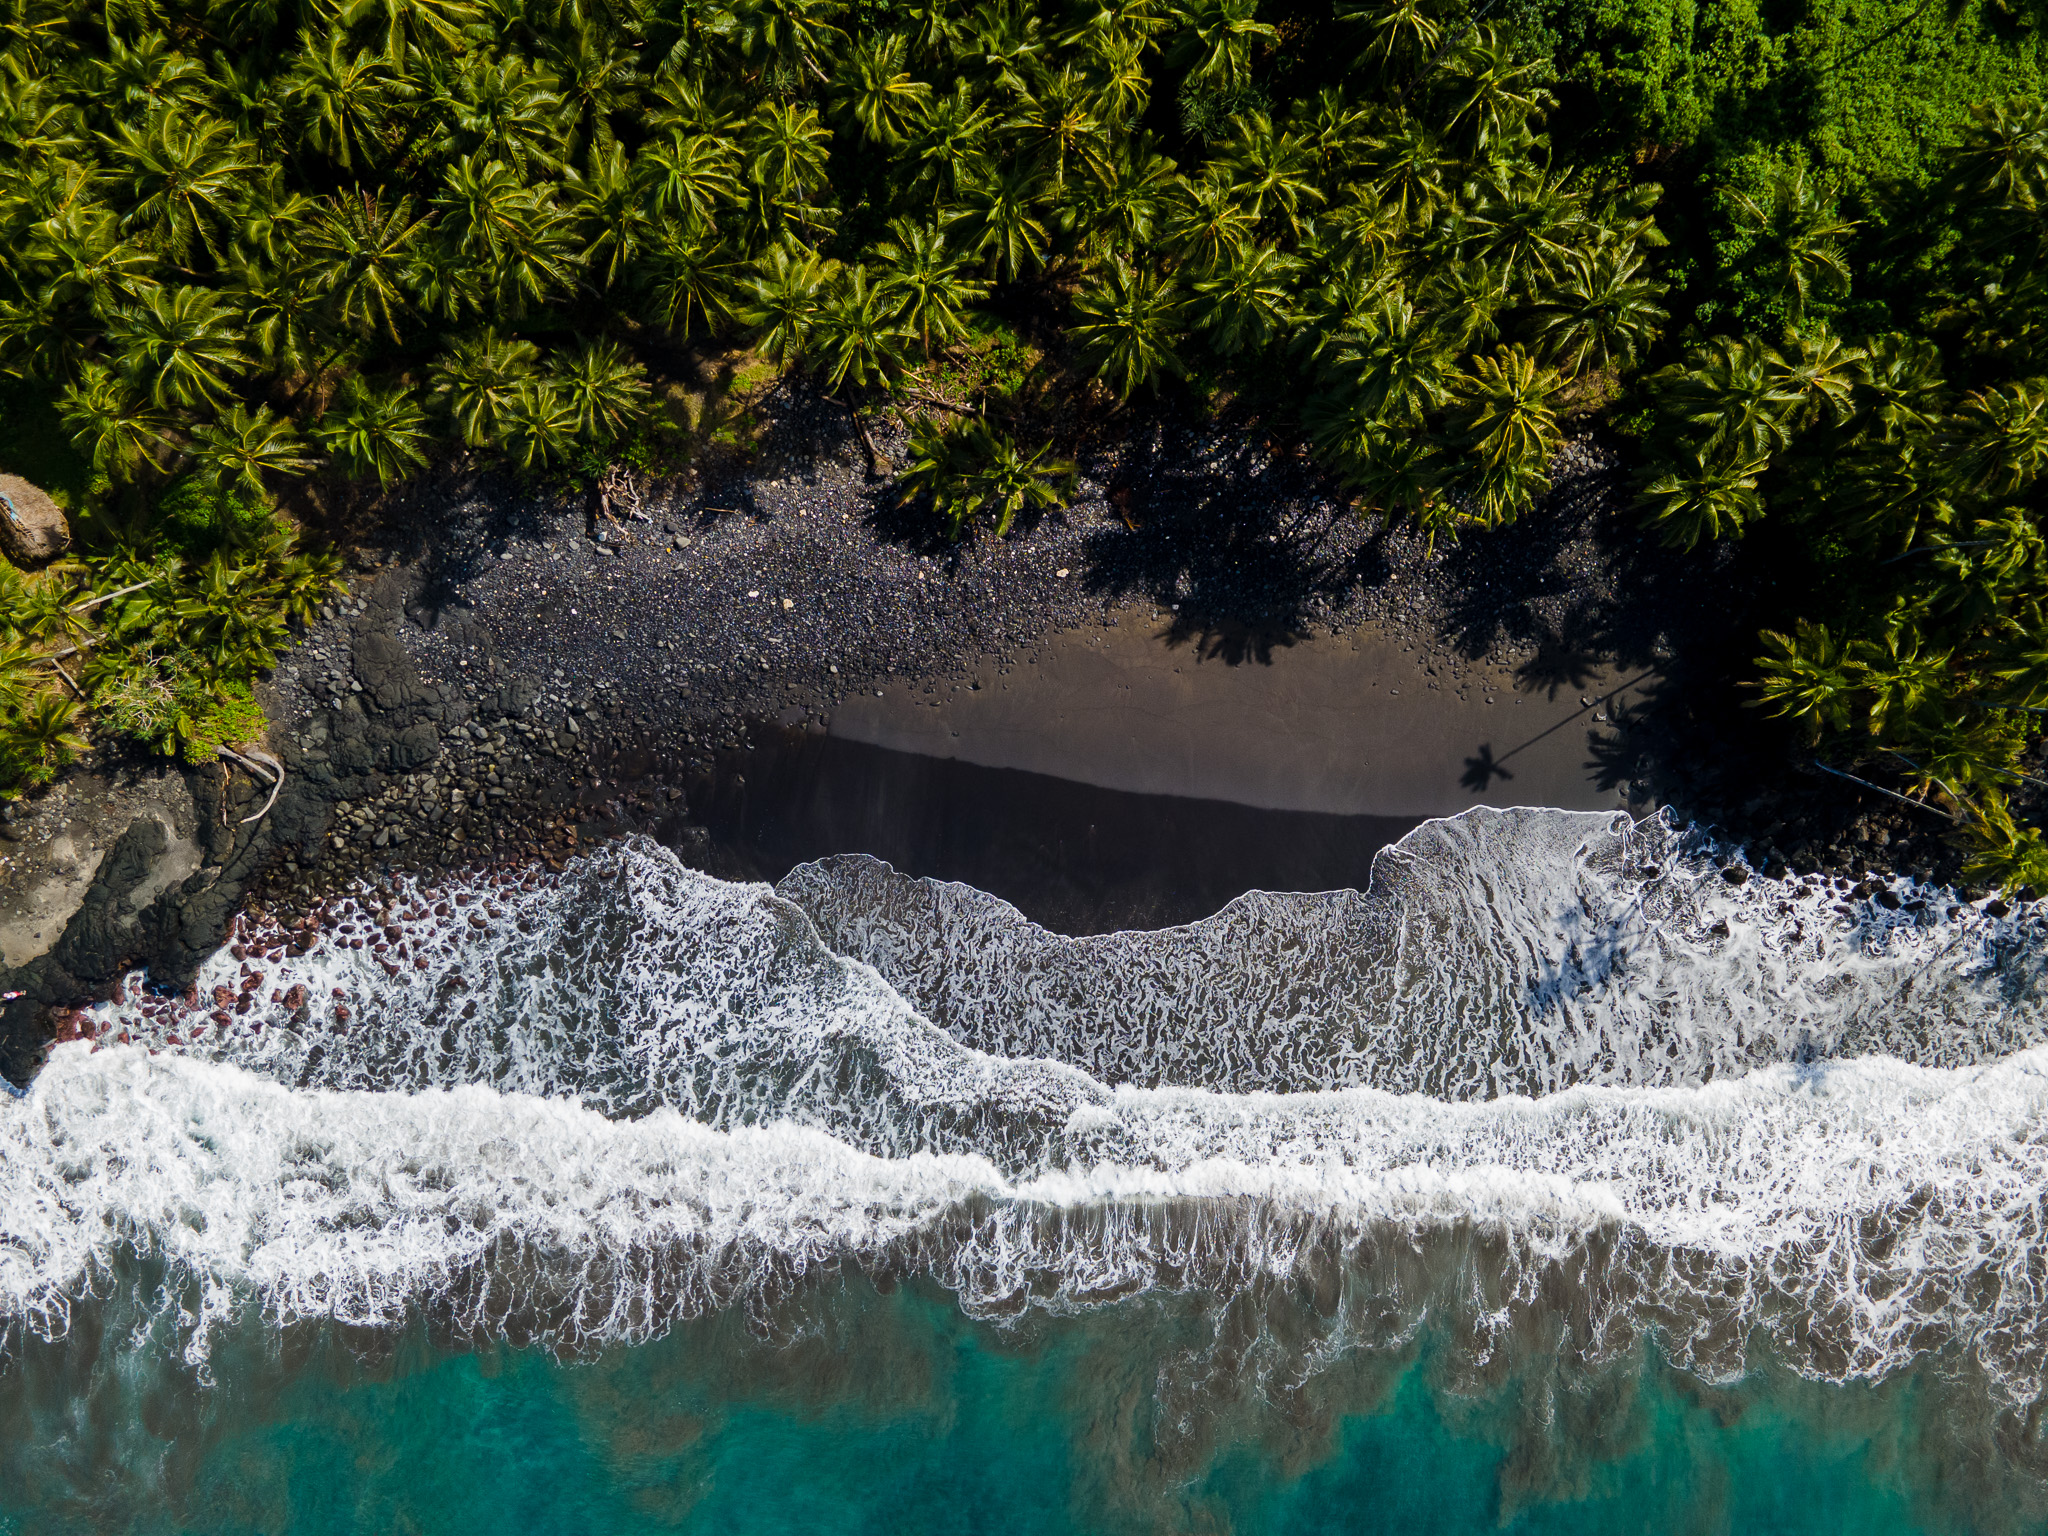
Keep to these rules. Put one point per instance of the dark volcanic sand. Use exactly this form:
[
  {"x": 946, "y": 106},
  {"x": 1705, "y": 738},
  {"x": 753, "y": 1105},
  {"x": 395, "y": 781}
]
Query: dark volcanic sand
[{"x": 1074, "y": 857}]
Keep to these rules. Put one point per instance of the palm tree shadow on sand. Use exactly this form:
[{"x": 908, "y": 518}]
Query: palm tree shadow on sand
[{"x": 1481, "y": 769}]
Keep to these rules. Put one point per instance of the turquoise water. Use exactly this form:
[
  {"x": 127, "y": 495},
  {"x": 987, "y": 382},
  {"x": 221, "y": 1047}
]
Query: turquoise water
[{"x": 894, "y": 1413}]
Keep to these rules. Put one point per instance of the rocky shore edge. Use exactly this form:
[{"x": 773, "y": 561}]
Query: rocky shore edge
[{"x": 507, "y": 681}]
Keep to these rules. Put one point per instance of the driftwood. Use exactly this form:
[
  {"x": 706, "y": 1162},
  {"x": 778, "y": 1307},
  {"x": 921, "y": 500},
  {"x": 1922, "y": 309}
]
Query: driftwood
[
  {"x": 944, "y": 405},
  {"x": 877, "y": 465},
  {"x": 108, "y": 597},
  {"x": 263, "y": 765},
  {"x": 1918, "y": 805},
  {"x": 69, "y": 681}
]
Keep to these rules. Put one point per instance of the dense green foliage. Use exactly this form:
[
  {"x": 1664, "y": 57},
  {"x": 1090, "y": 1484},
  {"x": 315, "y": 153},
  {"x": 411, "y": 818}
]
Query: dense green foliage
[
  {"x": 241, "y": 238},
  {"x": 1910, "y": 464}
]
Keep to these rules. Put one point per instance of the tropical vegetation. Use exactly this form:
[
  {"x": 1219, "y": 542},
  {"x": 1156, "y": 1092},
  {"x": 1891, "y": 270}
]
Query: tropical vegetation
[{"x": 1901, "y": 469}]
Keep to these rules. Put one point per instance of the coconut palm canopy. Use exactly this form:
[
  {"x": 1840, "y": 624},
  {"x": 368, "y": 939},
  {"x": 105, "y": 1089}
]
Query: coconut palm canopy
[{"x": 244, "y": 239}]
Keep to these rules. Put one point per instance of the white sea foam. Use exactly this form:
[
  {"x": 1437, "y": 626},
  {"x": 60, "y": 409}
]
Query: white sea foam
[
  {"x": 585, "y": 1107},
  {"x": 1494, "y": 952}
]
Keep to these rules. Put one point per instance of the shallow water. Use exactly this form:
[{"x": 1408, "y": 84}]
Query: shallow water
[
  {"x": 1554, "y": 1179},
  {"x": 893, "y": 1412}
]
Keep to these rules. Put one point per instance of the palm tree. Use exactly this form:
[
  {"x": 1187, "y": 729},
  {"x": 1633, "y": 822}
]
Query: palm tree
[
  {"x": 687, "y": 101},
  {"x": 182, "y": 344},
  {"x": 1002, "y": 47},
  {"x": 113, "y": 423},
  {"x": 46, "y": 731},
  {"x": 379, "y": 432},
  {"x": 362, "y": 253},
  {"x": 596, "y": 75},
  {"x": 148, "y": 74},
  {"x": 1402, "y": 472},
  {"x": 1408, "y": 166},
  {"x": 1098, "y": 22},
  {"x": 431, "y": 26},
  {"x": 250, "y": 95},
  {"x": 949, "y": 142},
  {"x": 1497, "y": 95},
  {"x": 969, "y": 469},
  {"x": 535, "y": 259},
  {"x": 1810, "y": 676},
  {"x": 790, "y": 33},
  {"x": 1122, "y": 88},
  {"x": 785, "y": 147},
  {"x": 1129, "y": 319},
  {"x": 89, "y": 262},
  {"x": 2003, "y": 157},
  {"x": 237, "y": 449},
  {"x": 1731, "y": 392},
  {"x": 1056, "y": 124},
  {"x": 1397, "y": 364},
  {"x": 183, "y": 175},
  {"x": 1500, "y": 414},
  {"x": 1530, "y": 225},
  {"x": 1337, "y": 133},
  {"x": 1600, "y": 313},
  {"x": 879, "y": 94},
  {"x": 2000, "y": 438},
  {"x": 1272, "y": 171},
  {"x": 1706, "y": 494},
  {"x": 1901, "y": 390},
  {"x": 502, "y": 109},
  {"x": 1215, "y": 41},
  {"x": 858, "y": 336},
  {"x": 505, "y": 242},
  {"x": 1798, "y": 235},
  {"x": 1822, "y": 372},
  {"x": 928, "y": 282},
  {"x": 282, "y": 309},
  {"x": 1207, "y": 223},
  {"x": 689, "y": 279},
  {"x": 998, "y": 220},
  {"x": 537, "y": 425},
  {"x": 345, "y": 101},
  {"x": 783, "y": 299},
  {"x": 1248, "y": 303},
  {"x": 475, "y": 381},
  {"x": 1008, "y": 481},
  {"x": 1123, "y": 213},
  {"x": 1400, "y": 34},
  {"x": 610, "y": 208},
  {"x": 606, "y": 392},
  {"x": 934, "y": 27},
  {"x": 690, "y": 175}
]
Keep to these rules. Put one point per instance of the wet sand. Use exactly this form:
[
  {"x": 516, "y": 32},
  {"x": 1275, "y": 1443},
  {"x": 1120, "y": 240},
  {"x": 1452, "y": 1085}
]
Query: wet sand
[
  {"x": 1352, "y": 724},
  {"x": 1073, "y": 856}
]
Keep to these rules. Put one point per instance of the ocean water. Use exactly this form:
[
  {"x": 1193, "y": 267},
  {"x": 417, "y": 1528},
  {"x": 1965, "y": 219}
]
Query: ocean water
[{"x": 1556, "y": 1181}]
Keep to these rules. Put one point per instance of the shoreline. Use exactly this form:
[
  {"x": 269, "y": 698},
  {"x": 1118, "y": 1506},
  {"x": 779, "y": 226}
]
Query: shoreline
[{"x": 500, "y": 686}]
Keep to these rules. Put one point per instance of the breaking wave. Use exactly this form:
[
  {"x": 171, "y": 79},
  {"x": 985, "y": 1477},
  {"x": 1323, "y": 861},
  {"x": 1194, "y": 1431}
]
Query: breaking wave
[{"x": 1553, "y": 1081}]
